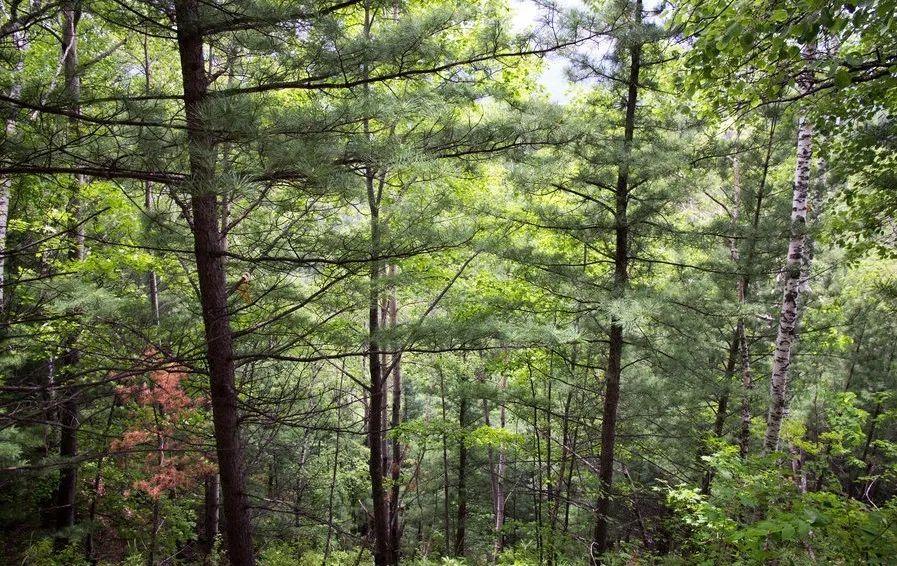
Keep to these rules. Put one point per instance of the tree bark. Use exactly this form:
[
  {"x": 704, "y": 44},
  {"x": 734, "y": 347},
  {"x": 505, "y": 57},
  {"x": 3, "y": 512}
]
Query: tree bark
[
  {"x": 445, "y": 466},
  {"x": 561, "y": 476},
  {"x": 208, "y": 248},
  {"x": 787, "y": 329},
  {"x": 152, "y": 281},
  {"x": 722, "y": 407},
  {"x": 461, "y": 525},
  {"x": 537, "y": 471},
  {"x": 395, "y": 526},
  {"x": 377, "y": 409},
  {"x": 621, "y": 280},
  {"x": 380, "y": 510},
  {"x": 209, "y": 525},
  {"x": 67, "y": 487},
  {"x": 496, "y": 476},
  {"x": 68, "y": 413},
  {"x": 338, "y": 401}
]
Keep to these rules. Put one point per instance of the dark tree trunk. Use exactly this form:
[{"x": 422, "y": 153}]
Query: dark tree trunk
[
  {"x": 68, "y": 473},
  {"x": 461, "y": 526},
  {"x": 621, "y": 280},
  {"x": 377, "y": 408},
  {"x": 208, "y": 248},
  {"x": 445, "y": 466},
  {"x": 537, "y": 471},
  {"x": 496, "y": 473},
  {"x": 208, "y": 530},
  {"x": 395, "y": 527},
  {"x": 152, "y": 281},
  {"x": 722, "y": 407},
  {"x": 68, "y": 417}
]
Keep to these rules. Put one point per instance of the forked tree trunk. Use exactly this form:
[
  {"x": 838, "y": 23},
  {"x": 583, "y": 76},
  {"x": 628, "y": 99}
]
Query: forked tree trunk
[
  {"x": 621, "y": 281},
  {"x": 787, "y": 330},
  {"x": 208, "y": 248}
]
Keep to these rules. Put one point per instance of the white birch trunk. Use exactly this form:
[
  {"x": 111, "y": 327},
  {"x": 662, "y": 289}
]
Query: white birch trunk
[
  {"x": 795, "y": 265},
  {"x": 20, "y": 42}
]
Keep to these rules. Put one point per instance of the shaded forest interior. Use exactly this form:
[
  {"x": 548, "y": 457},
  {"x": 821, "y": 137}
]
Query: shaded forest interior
[{"x": 296, "y": 282}]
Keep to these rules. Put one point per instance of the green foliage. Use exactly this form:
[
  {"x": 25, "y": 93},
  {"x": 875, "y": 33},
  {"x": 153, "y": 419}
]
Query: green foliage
[
  {"x": 408, "y": 151},
  {"x": 756, "y": 514}
]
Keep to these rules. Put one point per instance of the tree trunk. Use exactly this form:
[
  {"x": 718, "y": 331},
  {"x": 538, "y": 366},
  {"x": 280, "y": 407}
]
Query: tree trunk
[
  {"x": 68, "y": 407},
  {"x": 152, "y": 281},
  {"x": 377, "y": 409},
  {"x": 858, "y": 343},
  {"x": 787, "y": 330},
  {"x": 5, "y": 185},
  {"x": 537, "y": 472},
  {"x": 380, "y": 511},
  {"x": 722, "y": 408},
  {"x": 397, "y": 448},
  {"x": 461, "y": 526},
  {"x": 747, "y": 386},
  {"x": 338, "y": 401},
  {"x": 621, "y": 280},
  {"x": 496, "y": 475},
  {"x": 445, "y": 473},
  {"x": 561, "y": 476},
  {"x": 68, "y": 473},
  {"x": 208, "y": 248},
  {"x": 210, "y": 505}
]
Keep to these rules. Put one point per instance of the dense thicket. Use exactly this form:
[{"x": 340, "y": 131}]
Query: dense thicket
[{"x": 344, "y": 282}]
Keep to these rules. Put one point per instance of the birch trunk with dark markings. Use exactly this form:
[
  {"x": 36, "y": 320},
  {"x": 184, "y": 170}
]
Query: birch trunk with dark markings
[
  {"x": 209, "y": 252},
  {"x": 787, "y": 329}
]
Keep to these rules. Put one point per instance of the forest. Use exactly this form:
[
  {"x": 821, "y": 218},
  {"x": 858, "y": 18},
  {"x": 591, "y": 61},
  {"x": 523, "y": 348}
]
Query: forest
[{"x": 455, "y": 282}]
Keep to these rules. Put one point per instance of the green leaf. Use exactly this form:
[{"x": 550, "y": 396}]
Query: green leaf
[{"x": 842, "y": 78}]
